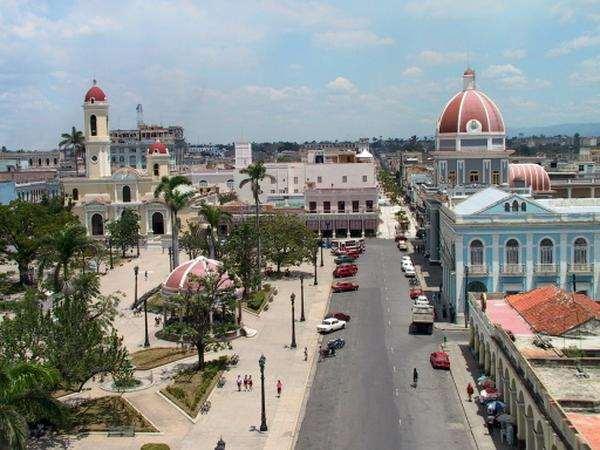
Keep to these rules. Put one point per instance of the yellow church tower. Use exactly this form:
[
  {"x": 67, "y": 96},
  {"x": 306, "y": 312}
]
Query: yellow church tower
[
  {"x": 158, "y": 160},
  {"x": 97, "y": 138}
]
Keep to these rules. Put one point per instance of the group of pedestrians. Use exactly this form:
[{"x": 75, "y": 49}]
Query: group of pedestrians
[{"x": 247, "y": 382}]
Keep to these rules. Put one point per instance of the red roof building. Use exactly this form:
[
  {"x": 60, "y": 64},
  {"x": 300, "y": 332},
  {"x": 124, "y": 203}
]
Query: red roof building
[{"x": 553, "y": 311}]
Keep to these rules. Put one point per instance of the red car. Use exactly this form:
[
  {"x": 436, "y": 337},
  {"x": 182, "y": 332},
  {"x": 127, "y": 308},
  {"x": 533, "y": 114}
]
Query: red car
[
  {"x": 344, "y": 286},
  {"x": 339, "y": 316},
  {"x": 440, "y": 360},
  {"x": 415, "y": 292},
  {"x": 348, "y": 270}
]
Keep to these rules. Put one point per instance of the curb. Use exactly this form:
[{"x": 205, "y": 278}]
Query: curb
[{"x": 464, "y": 409}]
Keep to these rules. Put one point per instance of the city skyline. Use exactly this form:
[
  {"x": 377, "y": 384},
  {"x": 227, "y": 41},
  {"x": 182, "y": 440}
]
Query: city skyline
[{"x": 282, "y": 70}]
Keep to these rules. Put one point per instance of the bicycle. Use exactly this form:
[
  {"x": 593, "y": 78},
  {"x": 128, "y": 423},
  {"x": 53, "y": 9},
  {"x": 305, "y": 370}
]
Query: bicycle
[{"x": 205, "y": 407}]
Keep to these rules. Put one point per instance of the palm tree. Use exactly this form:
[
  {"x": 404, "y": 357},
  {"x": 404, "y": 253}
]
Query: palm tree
[
  {"x": 213, "y": 216},
  {"x": 63, "y": 246},
  {"x": 25, "y": 397},
  {"x": 256, "y": 173},
  {"x": 176, "y": 199},
  {"x": 74, "y": 140}
]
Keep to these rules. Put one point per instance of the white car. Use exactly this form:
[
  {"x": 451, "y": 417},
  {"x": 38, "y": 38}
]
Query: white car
[
  {"x": 409, "y": 272},
  {"x": 406, "y": 258},
  {"x": 331, "y": 324},
  {"x": 407, "y": 265},
  {"x": 422, "y": 300},
  {"x": 402, "y": 246}
]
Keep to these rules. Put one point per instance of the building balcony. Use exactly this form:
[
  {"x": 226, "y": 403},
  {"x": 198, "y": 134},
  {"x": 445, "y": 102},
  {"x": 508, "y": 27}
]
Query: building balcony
[
  {"x": 512, "y": 269},
  {"x": 580, "y": 268},
  {"x": 478, "y": 269},
  {"x": 545, "y": 269}
]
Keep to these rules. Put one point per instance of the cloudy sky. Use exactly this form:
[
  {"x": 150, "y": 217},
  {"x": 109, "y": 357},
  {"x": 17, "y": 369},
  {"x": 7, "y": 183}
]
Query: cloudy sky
[{"x": 292, "y": 69}]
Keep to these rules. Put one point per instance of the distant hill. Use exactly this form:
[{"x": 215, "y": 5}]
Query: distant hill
[{"x": 584, "y": 129}]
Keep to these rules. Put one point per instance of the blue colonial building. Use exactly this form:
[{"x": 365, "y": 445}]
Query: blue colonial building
[{"x": 501, "y": 241}]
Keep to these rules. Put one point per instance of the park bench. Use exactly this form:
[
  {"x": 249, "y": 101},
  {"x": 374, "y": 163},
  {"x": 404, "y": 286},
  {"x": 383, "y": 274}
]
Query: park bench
[{"x": 124, "y": 431}]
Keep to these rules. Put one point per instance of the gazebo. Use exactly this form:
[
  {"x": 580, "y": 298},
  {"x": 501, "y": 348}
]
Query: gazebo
[{"x": 178, "y": 281}]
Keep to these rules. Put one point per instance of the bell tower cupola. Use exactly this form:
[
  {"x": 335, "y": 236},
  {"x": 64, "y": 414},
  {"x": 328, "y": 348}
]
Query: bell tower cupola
[{"x": 97, "y": 138}]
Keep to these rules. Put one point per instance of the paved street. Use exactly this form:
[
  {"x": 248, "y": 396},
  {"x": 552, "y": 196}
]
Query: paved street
[{"x": 363, "y": 398}]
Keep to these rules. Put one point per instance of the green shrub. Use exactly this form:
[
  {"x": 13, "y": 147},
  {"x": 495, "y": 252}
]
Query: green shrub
[
  {"x": 176, "y": 392},
  {"x": 155, "y": 447},
  {"x": 257, "y": 299}
]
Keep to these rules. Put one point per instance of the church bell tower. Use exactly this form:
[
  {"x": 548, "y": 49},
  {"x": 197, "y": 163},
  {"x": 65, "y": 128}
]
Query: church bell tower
[{"x": 97, "y": 139}]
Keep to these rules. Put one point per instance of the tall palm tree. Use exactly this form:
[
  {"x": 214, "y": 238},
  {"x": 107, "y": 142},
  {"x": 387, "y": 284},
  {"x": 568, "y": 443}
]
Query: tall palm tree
[
  {"x": 76, "y": 141},
  {"x": 213, "y": 216},
  {"x": 25, "y": 396},
  {"x": 256, "y": 173},
  {"x": 176, "y": 199},
  {"x": 63, "y": 246}
]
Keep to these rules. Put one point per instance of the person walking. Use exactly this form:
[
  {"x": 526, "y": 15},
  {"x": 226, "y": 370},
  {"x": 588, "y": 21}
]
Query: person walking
[
  {"x": 239, "y": 382},
  {"x": 470, "y": 391},
  {"x": 305, "y": 354},
  {"x": 415, "y": 377},
  {"x": 250, "y": 382},
  {"x": 145, "y": 275},
  {"x": 245, "y": 382},
  {"x": 320, "y": 353},
  {"x": 279, "y": 388}
]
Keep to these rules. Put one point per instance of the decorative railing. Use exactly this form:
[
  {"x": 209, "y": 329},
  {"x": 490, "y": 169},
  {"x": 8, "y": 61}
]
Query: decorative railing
[
  {"x": 580, "y": 268},
  {"x": 545, "y": 268},
  {"x": 512, "y": 269},
  {"x": 478, "y": 269}
]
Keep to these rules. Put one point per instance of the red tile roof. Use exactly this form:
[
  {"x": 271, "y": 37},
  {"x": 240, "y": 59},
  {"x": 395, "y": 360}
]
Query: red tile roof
[
  {"x": 588, "y": 425},
  {"x": 551, "y": 310}
]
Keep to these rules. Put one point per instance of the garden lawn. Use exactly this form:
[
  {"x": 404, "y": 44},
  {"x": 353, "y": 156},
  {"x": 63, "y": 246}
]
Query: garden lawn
[
  {"x": 100, "y": 414},
  {"x": 191, "y": 387},
  {"x": 159, "y": 356}
]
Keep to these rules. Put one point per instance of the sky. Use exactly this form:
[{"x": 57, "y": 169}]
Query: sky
[{"x": 267, "y": 70}]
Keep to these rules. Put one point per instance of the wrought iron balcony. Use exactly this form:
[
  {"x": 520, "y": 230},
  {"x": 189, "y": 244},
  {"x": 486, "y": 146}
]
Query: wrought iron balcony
[
  {"x": 580, "y": 268},
  {"x": 545, "y": 268},
  {"x": 478, "y": 269},
  {"x": 512, "y": 269}
]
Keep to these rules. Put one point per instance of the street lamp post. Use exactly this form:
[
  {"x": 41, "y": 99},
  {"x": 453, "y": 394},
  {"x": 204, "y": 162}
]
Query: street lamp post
[
  {"x": 315, "y": 267},
  {"x": 293, "y": 344},
  {"x": 302, "y": 318},
  {"x": 263, "y": 415},
  {"x": 321, "y": 245},
  {"x": 466, "y": 296},
  {"x": 170, "y": 258},
  {"x": 136, "y": 270}
]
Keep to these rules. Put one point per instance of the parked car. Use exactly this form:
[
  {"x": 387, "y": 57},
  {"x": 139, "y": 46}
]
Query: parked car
[
  {"x": 353, "y": 254},
  {"x": 338, "y": 315},
  {"x": 344, "y": 286},
  {"x": 343, "y": 259},
  {"x": 406, "y": 265},
  {"x": 422, "y": 299},
  {"x": 402, "y": 246},
  {"x": 440, "y": 360},
  {"x": 331, "y": 324},
  {"x": 415, "y": 292},
  {"x": 406, "y": 258},
  {"x": 348, "y": 270},
  {"x": 409, "y": 272}
]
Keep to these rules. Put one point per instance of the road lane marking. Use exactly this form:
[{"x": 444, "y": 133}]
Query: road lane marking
[
  {"x": 390, "y": 323},
  {"x": 392, "y": 349},
  {"x": 395, "y": 369},
  {"x": 396, "y": 392}
]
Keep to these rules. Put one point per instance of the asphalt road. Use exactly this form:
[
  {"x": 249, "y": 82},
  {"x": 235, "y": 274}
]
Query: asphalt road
[{"x": 362, "y": 398}]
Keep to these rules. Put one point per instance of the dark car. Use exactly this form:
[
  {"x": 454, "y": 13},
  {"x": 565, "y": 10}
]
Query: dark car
[
  {"x": 344, "y": 286},
  {"x": 440, "y": 360},
  {"x": 343, "y": 259},
  {"x": 339, "y": 316}
]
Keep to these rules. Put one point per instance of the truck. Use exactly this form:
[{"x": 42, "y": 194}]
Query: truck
[{"x": 422, "y": 318}]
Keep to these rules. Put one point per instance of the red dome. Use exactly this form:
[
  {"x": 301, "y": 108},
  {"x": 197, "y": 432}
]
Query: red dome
[
  {"x": 468, "y": 105},
  {"x": 533, "y": 175},
  {"x": 178, "y": 280},
  {"x": 158, "y": 147},
  {"x": 95, "y": 94}
]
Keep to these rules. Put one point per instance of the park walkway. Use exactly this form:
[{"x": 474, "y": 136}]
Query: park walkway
[{"x": 234, "y": 416}]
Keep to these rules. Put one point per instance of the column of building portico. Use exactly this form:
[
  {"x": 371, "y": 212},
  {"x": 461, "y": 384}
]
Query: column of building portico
[
  {"x": 495, "y": 263},
  {"x": 529, "y": 261},
  {"x": 530, "y": 440},
  {"x": 521, "y": 431},
  {"x": 563, "y": 260},
  {"x": 460, "y": 275},
  {"x": 362, "y": 227},
  {"x": 596, "y": 266}
]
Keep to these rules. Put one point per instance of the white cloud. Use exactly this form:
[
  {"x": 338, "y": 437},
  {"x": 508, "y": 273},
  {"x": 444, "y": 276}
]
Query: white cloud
[
  {"x": 445, "y": 9},
  {"x": 523, "y": 103},
  {"x": 343, "y": 39},
  {"x": 341, "y": 84},
  {"x": 562, "y": 11},
  {"x": 435, "y": 58},
  {"x": 587, "y": 73},
  {"x": 517, "y": 53},
  {"x": 502, "y": 70},
  {"x": 413, "y": 71},
  {"x": 583, "y": 41},
  {"x": 508, "y": 76}
]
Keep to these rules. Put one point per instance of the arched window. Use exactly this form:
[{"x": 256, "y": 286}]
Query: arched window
[
  {"x": 523, "y": 206},
  {"x": 580, "y": 251},
  {"x": 75, "y": 194},
  {"x": 155, "y": 169},
  {"x": 47, "y": 161},
  {"x": 476, "y": 251},
  {"x": 203, "y": 183},
  {"x": 506, "y": 207},
  {"x": 230, "y": 184},
  {"x": 126, "y": 194},
  {"x": 97, "y": 225},
  {"x": 55, "y": 161},
  {"x": 512, "y": 251},
  {"x": 93, "y": 127},
  {"x": 546, "y": 251},
  {"x": 515, "y": 206},
  {"x": 39, "y": 161}
]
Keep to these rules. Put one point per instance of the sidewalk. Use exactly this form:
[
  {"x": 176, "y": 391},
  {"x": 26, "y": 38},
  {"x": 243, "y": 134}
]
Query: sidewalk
[
  {"x": 234, "y": 416},
  {"x": 464, "y": 370}
]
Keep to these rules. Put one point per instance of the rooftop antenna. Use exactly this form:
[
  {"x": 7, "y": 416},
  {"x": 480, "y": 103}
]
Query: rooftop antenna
[{"x": 140, "y": 115}]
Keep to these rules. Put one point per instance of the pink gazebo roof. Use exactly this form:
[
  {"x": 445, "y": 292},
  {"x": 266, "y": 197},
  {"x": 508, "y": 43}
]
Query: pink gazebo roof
[{"x": 179, "y": 281}]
